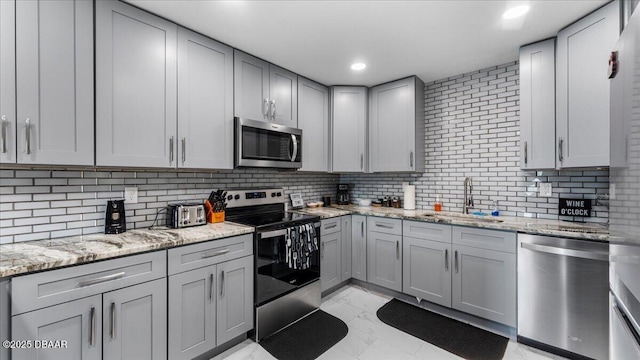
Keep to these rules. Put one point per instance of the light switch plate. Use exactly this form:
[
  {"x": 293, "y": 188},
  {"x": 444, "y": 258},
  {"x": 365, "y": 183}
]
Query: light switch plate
[
  {"x": 131, "y": 195},
  {"x": 545, "y": 189}
]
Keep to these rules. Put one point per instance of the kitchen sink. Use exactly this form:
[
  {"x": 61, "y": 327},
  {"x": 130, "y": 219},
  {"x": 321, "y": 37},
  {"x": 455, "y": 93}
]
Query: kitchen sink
[{"x": 469, "y": 218}]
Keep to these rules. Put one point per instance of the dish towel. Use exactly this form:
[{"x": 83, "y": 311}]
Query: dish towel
[{"x": 300, "y": 242}]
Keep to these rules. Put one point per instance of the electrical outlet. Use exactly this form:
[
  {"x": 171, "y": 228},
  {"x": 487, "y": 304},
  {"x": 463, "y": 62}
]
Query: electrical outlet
[
  {"x": 545, "y": 189},
  {"x": 131, "y": 195}
]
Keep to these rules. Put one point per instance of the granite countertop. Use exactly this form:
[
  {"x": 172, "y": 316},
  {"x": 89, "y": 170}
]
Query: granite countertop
[
  {"x": 520, "y": 224},
  {"x": 20, "y": 258}
]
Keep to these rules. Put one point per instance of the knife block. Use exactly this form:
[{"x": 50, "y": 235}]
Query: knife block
[{"x": 215, "y": 217}]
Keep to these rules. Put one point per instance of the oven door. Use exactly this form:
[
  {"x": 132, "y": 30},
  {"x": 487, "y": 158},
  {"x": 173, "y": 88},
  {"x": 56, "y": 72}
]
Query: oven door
[
  {"x": 274, "y": 276},
  {"x": 263, "y": 144}
]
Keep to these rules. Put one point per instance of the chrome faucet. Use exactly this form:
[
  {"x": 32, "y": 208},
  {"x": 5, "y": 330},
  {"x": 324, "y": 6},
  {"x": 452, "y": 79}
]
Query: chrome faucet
[{"x": 468, "y": 195}]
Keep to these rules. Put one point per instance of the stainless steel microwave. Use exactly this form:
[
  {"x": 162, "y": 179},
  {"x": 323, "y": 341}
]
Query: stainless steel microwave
[{"x": 263, "y": 144}]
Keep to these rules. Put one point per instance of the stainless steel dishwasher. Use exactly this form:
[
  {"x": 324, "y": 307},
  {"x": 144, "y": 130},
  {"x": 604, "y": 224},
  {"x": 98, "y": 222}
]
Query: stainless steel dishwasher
[{"x": 563, "y": 295}]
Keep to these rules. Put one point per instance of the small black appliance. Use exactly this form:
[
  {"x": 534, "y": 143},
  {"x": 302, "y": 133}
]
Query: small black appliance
[
  {"x": 115, "y": 219},
  {"x": 343, "y": 194}
]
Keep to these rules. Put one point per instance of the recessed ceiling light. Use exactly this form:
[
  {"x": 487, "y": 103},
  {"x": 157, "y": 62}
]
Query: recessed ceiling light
[
  {"x": 515, "y": 12},
  {"x": 358, "y": 66}
]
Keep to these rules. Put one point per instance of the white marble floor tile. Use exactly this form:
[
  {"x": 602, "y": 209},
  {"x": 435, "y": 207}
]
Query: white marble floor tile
[
  {"x": 342, "y": 311},
  {"x": 356, "y": 342},
  {"x": 430, "y": 351},
  {"x": 381, "y": 350},
  {"x": 246, "y": 350},
  {"x": 336, "y": 354},
  {"x": 365, "y": 300},
  {"x": 517, "y": 351},
  {"x": 369, "y": 323}
]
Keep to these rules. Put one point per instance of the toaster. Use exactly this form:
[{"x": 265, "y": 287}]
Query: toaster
[{"x": 183, "y": 215}]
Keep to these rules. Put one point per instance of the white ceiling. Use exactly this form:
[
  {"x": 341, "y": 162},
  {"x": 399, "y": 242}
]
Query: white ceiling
[{"x": 320, "y": 39}]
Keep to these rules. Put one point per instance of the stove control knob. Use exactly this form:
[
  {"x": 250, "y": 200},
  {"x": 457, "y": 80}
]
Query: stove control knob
[
  {"x": 279, "y": 194},
  {"x": 237, "y": 197},
  {"x": 273, "y": 194},
  {"x": 230, "y": 197}
]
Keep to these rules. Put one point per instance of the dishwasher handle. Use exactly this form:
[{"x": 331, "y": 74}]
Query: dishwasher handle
[{"x": 592, "y": 255}]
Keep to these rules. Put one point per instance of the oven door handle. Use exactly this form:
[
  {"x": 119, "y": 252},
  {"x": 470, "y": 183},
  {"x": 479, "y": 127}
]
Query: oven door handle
[{"x": 271, "y": 234}]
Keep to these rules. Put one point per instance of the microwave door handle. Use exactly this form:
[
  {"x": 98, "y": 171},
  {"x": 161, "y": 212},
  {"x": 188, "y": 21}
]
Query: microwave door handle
[{"x": 294, "y": 139}]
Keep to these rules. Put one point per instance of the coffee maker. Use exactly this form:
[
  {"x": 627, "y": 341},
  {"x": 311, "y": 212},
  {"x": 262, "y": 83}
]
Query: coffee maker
[{"x": 343, "y": 194}]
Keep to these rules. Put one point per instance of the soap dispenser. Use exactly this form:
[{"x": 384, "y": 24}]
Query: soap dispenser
[{"x": 494, "y": 206}]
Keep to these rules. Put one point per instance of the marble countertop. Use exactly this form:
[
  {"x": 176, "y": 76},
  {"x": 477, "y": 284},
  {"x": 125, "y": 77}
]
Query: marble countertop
[
  {"x": 20, "y": 258},
  {"x": 520, "y": 224}
]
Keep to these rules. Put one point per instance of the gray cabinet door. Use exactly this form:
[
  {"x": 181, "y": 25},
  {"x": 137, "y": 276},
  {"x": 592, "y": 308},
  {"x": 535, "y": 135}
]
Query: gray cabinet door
[
  {"x": 54, "y": 82},
  {"x": 251, "y": 87},
  {"x": 235, "y": 298},
  {"x": 7, "y": 82},
  {"x": 348, "y": 128},
  {"x": 582, "y": 104},
  {"x": 135, "y": 322},
  {"x": 484, "y": 283},
  {"x": 538, "y": 105},
  {"x": 135, "y": 87},
  {"x": 359, "y": 247},
  {"x": 392, "y": 126},
  {"x": 330, "y": 260},
  {"x": 283, "y": 91},
  {"x": 384, "y": 260},
  {"x": 205, "y": 102},
  {"x": 78, "y": 322},
  {"x": 427, "y": 270},
  {"x": 313, "y": 120},
  {"x": 345, "y": 250},
  {"x": 192, "y": 313}
]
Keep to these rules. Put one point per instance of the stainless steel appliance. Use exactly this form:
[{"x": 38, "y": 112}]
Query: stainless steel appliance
[
  {"x": 343, "y": 194},
  {"x": 286, "y": 287},
  {"x": 183, "y": 215},
  {"x": 115, "y": 217},
  {"x": 263, "y": 144},
  {"x": 624, "y": 201},
  {"x": 562, "y": 295}
]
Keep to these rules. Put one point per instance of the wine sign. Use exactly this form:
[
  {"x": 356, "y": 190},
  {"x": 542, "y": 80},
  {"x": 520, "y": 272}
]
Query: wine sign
[{"x": 574, "y": 207}]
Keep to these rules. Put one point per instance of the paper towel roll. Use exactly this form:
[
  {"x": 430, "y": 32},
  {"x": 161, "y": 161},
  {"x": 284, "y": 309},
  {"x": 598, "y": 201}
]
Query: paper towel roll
[{"x": 410, "y": 197}]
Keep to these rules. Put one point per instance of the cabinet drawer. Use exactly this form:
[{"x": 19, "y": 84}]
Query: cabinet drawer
[
  {"x": 53, "y": 287},
  {"x": 384, "y": 225},
  {"x": 330, "y": 226},
  {"x": 485, "y": 239},
  {"x": 427, "y": 231},
  {"x": 208, "y": 253}
]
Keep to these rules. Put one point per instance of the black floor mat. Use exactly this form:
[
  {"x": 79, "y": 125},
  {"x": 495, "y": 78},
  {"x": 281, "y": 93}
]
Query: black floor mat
[
  {"x": 306, "y": 339},
  {"x": 451, "y": 335}
]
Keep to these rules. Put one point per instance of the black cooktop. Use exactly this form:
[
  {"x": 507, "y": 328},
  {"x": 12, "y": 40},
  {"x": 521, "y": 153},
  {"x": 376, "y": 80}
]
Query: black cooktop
[{"x": 274, "y": 220}]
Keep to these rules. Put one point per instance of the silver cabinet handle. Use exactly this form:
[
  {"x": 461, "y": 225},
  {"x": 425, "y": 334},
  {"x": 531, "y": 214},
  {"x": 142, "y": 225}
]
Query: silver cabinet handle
[
  {"x": 526, "y": 154},
  {"x": 4, "y": 134},
  {"x": 361, "y": 161},
  {"x": 92, "y": 326},
  {"x": 101, "y": 279},
  {"x": 455, "y": 257},
  {"x": 322, "y": 250},
  {"x": 411, "y": 159},
  {"x": 397, "y": 249},
  {"x": 592, "y": 255},
  {"x": 294, "y": 139},
  {"x": 273, "y": 110},
  {"x": 265, "y": 107},
  {"x": 184, "y": 149},
  {"x": 112, "y": 327},
  {"x": 222, "y": 284},
  {"x": 560, "y": 146},
  {"x": 211, "y": 287},
  {"x": 384, "y": 226},
  {"x": 446, "y": 260},
  {"x": 170, "y": 150},
  {"x": 215, "y": 253},
  {"x": 28, "y": 135},
  {"x": 362, "y": 229}
]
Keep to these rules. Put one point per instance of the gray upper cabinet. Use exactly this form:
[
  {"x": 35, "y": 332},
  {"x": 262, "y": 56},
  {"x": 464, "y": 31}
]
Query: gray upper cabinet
[
  {"x": 205, "y": 102},
  {"x": 359, "y": 247},
  {"x": 582, "y": 88},
  {"x": 538, "y": 105},
  {"x": 235, "y": 298},
  {"x": 7, "y": 82},
  {"x": 53, "y": 123},
  {"x": 313, "y": 120},
  {"x": 384, "y": 259},
  {"x": 396, "y": 126},
  {"x": 79, "y": 322},
  {"x": 345, "y": 251},
  {"x": 264, "y": 91},
  {"x": 136, "y": 90},
  {"x": 135, "y": 322},
  {"x": 348, "y": 129}
]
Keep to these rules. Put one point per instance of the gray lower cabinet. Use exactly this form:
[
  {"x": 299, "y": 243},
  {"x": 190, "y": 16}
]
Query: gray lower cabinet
[
  {"x": 330, "y": 259},
  {"x": 205, "y": 102},
  {"x": 348, "y": 129},
  {"x": 235, "y": 298},
  {"x": 8, "y": 83},
  {"x": 582, "y": 88},
  {"x": 134, "y": 322},
  {"x": 313, "y": 118},
  {"x": 427, "y": 270},
  {"x": 79, "y": 322},
  {"x": 384, "y": 260},
  {"x": 345, "y": 251},
  {"x": 5, "y": 313},
  {"x": 359, "y": 247},
  {"x": 136, "y": 90}
]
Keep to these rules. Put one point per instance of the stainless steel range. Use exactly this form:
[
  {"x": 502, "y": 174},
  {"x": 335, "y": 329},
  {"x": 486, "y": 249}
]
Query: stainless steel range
[{"x": 287, "y": 261}]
